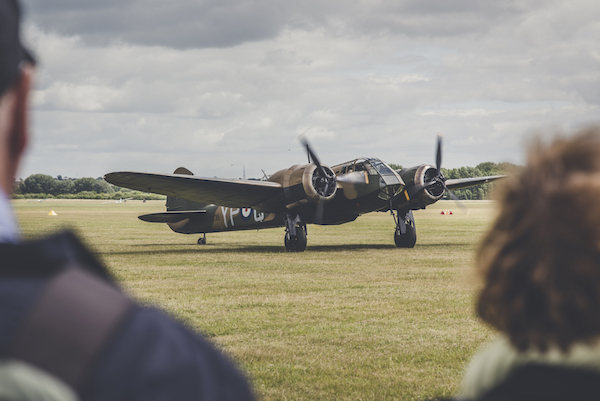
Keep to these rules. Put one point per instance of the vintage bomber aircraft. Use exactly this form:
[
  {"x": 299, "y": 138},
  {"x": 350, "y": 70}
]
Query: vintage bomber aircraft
[{"x": 296, "y": 196}]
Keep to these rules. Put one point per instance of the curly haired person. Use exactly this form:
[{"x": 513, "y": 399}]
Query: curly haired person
[{"x": 540, "y": 265}]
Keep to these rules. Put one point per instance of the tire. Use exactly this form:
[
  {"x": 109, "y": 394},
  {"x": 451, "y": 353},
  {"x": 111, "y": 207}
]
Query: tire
[
  {"x": 296, "y": 243},
  {"x": 407, "y": 240}
]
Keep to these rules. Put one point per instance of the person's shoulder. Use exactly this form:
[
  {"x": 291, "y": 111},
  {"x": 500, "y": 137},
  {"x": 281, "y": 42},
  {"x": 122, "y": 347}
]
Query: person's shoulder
[
  {"x": 550, "y": 382},
  {"x": 158, "y": 357},
  {"x": 47, "y": 256},
  {"x": 19, "y": 380},
  {"x": 149, "y": 356},
  {"x": 490, "y": 365}
]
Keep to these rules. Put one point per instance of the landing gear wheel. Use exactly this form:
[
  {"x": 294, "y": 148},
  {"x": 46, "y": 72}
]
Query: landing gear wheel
[
  {"x": 296, "y": 243},
  {"x": 407, "y": 240},
  {"x": 405, "y": 235},
  {"x": 202, "y": 240}
]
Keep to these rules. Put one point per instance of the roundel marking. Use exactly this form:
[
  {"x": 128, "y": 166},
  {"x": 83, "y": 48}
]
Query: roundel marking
[{"x": 246, "y": 213}]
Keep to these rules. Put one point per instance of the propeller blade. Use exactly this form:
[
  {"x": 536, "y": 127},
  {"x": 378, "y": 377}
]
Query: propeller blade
[
  {"x": 458, "y": 202},
  {"x": 318, "y": 219},
  {"x": 321, "y": 205},
  {"x": 438, "y": 156},
  {"x": 313, "y": 156}
]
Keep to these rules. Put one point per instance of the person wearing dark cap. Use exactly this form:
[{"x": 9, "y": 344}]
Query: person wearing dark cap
[{"x": 67, "y": 331}]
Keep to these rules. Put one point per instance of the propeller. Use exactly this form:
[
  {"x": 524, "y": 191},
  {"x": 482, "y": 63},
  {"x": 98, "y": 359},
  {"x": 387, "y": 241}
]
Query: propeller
[
  {"x": 324, "y": 181},
  {"x": 315, "y": 159},
  {"x": 439, "y": 178}
]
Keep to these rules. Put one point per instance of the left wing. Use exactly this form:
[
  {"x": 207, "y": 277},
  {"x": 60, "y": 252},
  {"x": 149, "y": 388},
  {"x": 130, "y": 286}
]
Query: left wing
[
  {"x": 459, "y": 183},
  {"x": 230, "y": 193}
]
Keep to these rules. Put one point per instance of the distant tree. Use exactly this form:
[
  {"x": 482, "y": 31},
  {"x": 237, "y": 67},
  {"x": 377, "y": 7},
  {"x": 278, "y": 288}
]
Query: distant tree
[
  {"x": 63, "y": 187},
  {"x": 17, "y": 187},
  {"x": 395, "y": 166},
  {"x": 488, "y": 168},
  {"x": 44, "y": 186},
  {"x": 38, "y": 184},
  {"x": 91, "y": 185}
]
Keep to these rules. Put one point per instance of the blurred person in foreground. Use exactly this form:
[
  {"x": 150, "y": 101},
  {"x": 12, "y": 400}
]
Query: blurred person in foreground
[
  {"x": 540, "y": 264},
  {"x": 67, "y": 331}
]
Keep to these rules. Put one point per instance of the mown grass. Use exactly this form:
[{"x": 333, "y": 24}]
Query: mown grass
[{"x": 352, "y": 318}]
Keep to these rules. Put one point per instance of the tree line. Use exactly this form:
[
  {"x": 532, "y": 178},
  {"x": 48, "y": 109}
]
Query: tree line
[
  {"x": 479, "y": 192},
  {"x": 45, "y": 186}
]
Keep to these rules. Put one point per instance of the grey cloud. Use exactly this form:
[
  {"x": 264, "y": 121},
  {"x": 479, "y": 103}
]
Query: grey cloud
[
  {"x": 214, "y": 23},
  {"x": 181, "y": 24}
]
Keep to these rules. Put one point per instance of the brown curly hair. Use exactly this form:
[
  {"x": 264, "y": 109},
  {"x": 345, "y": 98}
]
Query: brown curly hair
[{"x": 540, "y": 261}]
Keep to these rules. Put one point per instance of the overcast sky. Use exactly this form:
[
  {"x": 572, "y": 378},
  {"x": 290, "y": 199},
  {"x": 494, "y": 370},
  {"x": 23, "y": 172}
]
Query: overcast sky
[{"x": 222, "y": 85}]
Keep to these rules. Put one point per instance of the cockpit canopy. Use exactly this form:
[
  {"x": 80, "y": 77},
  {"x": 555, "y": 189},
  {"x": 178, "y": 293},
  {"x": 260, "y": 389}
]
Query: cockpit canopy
[
  {"x": 371, "y": 165},
  {"x": 377, "y": 172}
]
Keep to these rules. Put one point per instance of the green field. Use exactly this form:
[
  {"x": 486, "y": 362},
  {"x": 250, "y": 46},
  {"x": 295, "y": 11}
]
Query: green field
[{"x": 352, "y": 318}]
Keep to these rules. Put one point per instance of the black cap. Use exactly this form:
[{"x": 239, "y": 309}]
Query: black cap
[{"x": 12, "y": 52}]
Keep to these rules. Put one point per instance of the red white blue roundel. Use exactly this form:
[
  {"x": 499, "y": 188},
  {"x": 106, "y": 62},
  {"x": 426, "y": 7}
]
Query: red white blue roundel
[{"x": 246, "y": 212}]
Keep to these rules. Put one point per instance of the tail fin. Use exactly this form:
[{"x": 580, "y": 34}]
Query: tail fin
[
  {"x": 183, "y": 170},
  {"x": 177, "y": 204}
]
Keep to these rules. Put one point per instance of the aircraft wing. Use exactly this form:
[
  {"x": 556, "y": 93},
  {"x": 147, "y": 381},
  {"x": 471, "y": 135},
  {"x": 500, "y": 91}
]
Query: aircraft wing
[
  {"x": 225, "y": 192},
  {"x": 459, "y": 183}
]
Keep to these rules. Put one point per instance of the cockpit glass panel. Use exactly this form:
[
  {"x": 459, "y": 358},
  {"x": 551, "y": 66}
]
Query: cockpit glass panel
[
  {"x": 380, "y": 166},
  {"x": 370, "y": 169},
  {"x": 364, "y": 165}
]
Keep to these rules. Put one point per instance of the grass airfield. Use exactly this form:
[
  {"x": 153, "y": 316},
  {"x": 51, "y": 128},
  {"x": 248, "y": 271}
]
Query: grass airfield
[{"x": 352, "y": 318}]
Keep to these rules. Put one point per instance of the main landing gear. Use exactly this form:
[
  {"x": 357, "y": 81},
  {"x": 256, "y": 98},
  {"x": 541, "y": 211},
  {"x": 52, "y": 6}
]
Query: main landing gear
[
  {"x": 405, "y": 235},
  {"x": 202, "y": 240},
  {"x": 295, "y": 233}
]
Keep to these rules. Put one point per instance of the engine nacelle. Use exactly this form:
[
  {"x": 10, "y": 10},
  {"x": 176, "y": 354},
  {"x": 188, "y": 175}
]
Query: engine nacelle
[
  {"x": 420, "y": 175},
  {"x": 304, "y": 183}
]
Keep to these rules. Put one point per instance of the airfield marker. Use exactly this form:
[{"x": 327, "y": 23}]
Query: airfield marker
[{"x": 52, "y": 213}]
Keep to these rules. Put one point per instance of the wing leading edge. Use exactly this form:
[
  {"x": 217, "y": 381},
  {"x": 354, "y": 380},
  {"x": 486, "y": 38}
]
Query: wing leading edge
[
  {"x": 225, "y": 192},
  {"x": 459, "y": 183}
]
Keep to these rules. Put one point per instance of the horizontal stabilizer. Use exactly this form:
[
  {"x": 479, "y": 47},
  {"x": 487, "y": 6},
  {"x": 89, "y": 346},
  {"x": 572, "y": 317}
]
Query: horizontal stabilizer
[{"x": 170, "y": 217}]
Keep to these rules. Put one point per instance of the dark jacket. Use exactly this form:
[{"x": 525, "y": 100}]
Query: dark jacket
[
  {"x": 548, "y": 383},
  {"x": 149, "y": 356}
]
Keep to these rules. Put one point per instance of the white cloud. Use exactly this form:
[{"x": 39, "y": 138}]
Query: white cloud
[
  {"x": 69, "y": 96},
  {"x": 371, "y": 78}
]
